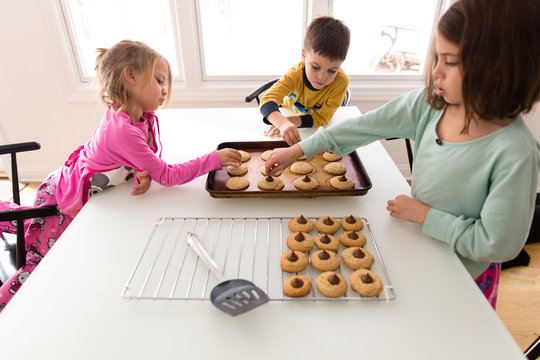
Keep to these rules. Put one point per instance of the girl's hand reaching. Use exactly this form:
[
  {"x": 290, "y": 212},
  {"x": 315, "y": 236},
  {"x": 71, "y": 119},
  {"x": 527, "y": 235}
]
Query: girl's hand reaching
[
  {"x": 229, "y": 157},
  {"x": 280, "y": 158},
  {"x": 408, "y": 209},
  {"x": 144, "y": 182}
]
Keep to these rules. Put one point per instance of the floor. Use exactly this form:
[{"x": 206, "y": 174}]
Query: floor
[{"x": 518, "y": 303}]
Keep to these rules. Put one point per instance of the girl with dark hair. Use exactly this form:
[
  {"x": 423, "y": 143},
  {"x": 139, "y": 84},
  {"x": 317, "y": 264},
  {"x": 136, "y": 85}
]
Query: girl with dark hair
[{"x": 476, "y": 163}]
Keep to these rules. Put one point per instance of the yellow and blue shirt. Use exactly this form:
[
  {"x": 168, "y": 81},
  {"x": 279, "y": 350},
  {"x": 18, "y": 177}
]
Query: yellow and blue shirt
[{"x": 294, "y": 91}]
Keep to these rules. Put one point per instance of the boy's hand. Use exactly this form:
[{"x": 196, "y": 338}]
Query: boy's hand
[
  {"x": 408, "y": 209},
  {"x": 289, "y": 133},
  {"x": 272, "y": 132},
  {"x": 229, "y": 157},
  {"x": 280, "y": 158},
  {"x": 144, "y": 182},
  {"x": 287, "y": 127}
]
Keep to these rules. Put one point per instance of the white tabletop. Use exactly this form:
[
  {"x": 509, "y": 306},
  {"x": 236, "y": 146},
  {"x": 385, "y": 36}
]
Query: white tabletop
[{"x": 71, "y": 307}]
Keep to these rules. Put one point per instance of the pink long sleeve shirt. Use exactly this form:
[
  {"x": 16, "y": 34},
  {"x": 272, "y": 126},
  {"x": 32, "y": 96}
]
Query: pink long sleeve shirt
[{"x": 118, "y": 141}]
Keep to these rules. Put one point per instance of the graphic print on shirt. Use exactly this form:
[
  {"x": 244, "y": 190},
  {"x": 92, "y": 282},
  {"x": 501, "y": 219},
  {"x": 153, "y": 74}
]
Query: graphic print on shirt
[
  {"x": 302, "y": 107},
  {"x": 105, "y": 180}
]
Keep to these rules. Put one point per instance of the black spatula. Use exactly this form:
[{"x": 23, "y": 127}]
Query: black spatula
[{"x": 234, "y": 296}]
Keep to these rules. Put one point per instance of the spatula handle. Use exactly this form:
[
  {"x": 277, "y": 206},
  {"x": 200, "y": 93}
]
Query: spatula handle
[{"x": 196, "y": 244}]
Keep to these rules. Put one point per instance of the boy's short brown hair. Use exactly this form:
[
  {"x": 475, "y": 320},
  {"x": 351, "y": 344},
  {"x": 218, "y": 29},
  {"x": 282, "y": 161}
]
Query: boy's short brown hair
[{"x": 328, "y": 37}]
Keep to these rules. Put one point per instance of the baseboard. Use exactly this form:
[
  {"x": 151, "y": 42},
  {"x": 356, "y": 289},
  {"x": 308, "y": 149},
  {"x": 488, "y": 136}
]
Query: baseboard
[{"x": 27, "y": 175}]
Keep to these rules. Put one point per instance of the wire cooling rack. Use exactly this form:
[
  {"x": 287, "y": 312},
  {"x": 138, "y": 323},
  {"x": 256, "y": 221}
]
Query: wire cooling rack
[{"x": 246, "y": 248}]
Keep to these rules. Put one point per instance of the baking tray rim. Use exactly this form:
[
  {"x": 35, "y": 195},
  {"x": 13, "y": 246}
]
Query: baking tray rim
[{"x": 272, "y": 144}]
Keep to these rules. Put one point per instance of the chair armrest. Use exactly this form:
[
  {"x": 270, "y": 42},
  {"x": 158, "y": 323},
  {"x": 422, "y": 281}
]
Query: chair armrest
[
  {"x": 30, "y": 213},
  {"x": 255, "y": 93},
  {"x": 19, "y": 147}
]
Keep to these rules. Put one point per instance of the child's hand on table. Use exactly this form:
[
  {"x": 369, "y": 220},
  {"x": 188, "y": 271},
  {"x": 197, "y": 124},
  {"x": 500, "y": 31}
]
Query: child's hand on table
[
  {"x": 143, "y": 182},
  {"x": 272, "y": 132},
  {"x": 229, "y": 157},
  {"x": 408, "y": 209}
]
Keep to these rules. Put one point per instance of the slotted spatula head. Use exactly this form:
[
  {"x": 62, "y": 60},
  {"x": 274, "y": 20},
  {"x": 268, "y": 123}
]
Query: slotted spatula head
[
  {"x": 231, "y": 296},
  {"x": 237, "y": 296}
]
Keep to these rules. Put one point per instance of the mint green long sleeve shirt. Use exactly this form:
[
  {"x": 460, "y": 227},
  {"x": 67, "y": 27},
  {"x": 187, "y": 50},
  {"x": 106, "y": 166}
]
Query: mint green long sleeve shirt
[{"x": 481, "y": 192}]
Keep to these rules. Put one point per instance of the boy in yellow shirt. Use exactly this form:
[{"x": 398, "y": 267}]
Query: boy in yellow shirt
[{"x": 313, "y": 88}]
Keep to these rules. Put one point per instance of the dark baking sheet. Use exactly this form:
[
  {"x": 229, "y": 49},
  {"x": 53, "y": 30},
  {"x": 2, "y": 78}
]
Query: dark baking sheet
[{"x": 215, "y": 182}]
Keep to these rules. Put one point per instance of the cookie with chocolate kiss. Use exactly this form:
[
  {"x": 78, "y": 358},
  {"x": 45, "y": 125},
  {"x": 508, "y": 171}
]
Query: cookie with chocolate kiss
[
  {"x": 293, "y": 261},
  {"x": 327, "y": 242},
  {"x": 327, "y": 225},
  {"x": 366, "y": 283},
  {"x": 301, "y": 223},
  {"x": 349, "y": 223},
  {"x": 297, "y": 286},
  {"x": 300, "y": 241},
  {"x": 342, "y": 182},
  {"x": 331, "y": 284},
  {"x": 357, "y": 258},
  {"x": 325, "y": 260},
  {"x": 306, "y": 183}
]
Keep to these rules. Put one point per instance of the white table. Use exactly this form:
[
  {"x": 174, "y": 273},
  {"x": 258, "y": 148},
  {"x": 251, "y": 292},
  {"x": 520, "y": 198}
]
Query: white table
[{"x": 71, "y": 308}]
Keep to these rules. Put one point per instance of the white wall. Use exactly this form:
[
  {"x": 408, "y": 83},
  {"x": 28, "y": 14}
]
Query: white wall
[{"x": 37, "y": 101}]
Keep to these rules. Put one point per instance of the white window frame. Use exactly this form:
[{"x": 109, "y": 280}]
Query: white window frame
[{"x": 192, "y": 88}]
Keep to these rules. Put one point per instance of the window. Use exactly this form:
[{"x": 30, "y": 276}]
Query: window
[
  {"x": 102, "y": 23},
  {"x": 217, "y": 44},
  {"x": 246, "y": 37},
  {"x": 387, "y": 36}
]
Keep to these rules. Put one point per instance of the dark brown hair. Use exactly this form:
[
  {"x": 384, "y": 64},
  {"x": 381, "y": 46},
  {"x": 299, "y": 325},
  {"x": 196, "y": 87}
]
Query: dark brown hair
[
  {"x": 328, "y": 37},
  {"x": 110, "y": 65},
  {"x": 499, "y": 57}
]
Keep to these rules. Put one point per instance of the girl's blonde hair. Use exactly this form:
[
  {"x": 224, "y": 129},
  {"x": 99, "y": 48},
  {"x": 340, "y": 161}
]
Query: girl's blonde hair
[{"x": 110, "y": 65}]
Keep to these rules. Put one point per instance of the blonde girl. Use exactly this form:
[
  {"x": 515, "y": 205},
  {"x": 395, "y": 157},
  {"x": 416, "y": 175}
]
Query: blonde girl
[{"x": 134, "y": 81}]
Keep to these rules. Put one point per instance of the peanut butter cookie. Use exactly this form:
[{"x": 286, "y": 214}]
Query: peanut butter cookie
[
  {"x": 352, "y": 238},
  {"x": 301, "y": 223},
  {"x": 237, "y": 170},
  {"x": 327, "y": 225},
  {"x": 270, "y": 183},
  {"x": 357, "y": 258},
  {"x": 325, "y": 260},
  {"x": 297, "y": 286},
  {"x": 306, "y": 183},
  {"x": 300, "y": 241},
  {"x": 237, "y": 183},
  {"x": 342, "y": 182},
  {"x": 301, "y": 168},
  {"x": 335, "y": 168},
  {"x": 366, "y": 283},
  {"x": 265, "y": 155},
  {"x": 263, "y": 171},
  {"x": 245, "y": 155},
  {"x": 331, "y": 284},
  {"x": 327, "y": 242},
  {"x": 349, "y": 223},
  {"x": 293, "y": 261},
  {"x": 330, "y": 156}
]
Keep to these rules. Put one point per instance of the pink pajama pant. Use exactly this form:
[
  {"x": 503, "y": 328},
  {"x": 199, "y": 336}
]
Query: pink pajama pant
[
  {"x": 488, "y": 282},
  {"x": 40, "y": 236}
]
